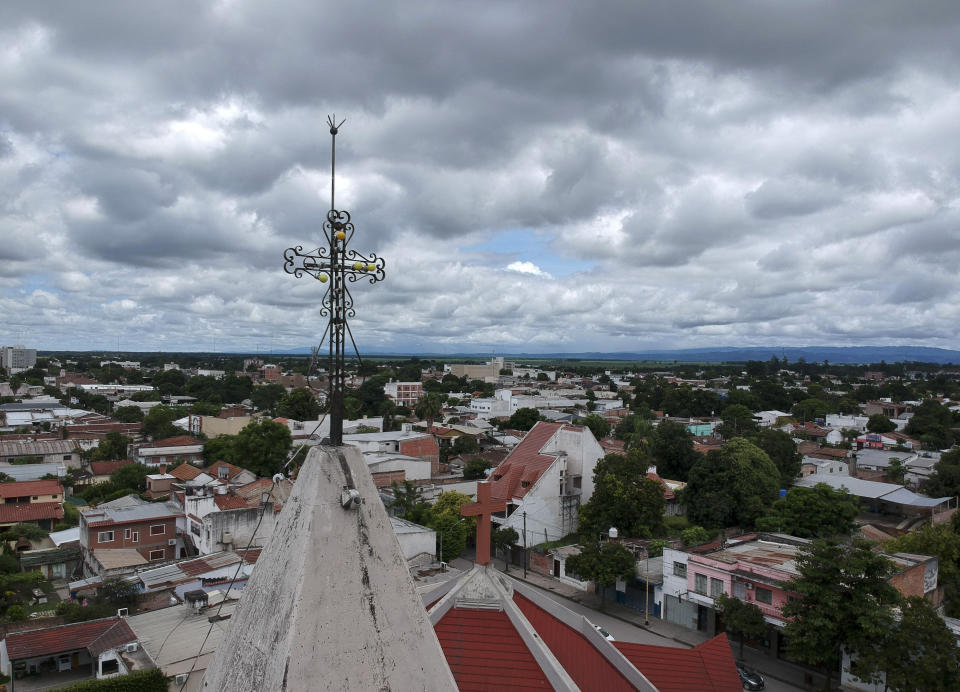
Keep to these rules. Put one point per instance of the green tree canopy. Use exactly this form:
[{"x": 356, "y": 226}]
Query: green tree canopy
[
  {"x": 745, "y": 619},
  {"x": 737, "y": 421},
  {"x": 130, "y": 476},
  {"x": 932, "y": 423},
  {"x": 501, "y": 540},
  {"x": 299, "y": 404},
  {"x": 112, "y": 447},
  {"x": 603, "y": 565},
  {"x": 845, "y": 600},
  {"x": 810, "y": 409},
  {"x": 672, "y": 450},
  {"x": 733, "y": 486},
  {"x": 265, "y": 397},
  {"x": 428, "y": 408},
  {"x": 128, "y": 414},
  {"x": 879, "y": 423},
  {"x": 623, "y": 497},
  {"x": 523, "y": 419},
  {"x": 475, "y": 468},
  {"x": 782, "y": 451},
  {"x": 598, "y": 425},
  {"x": 820, "y": 512},
  {"x": 945, "y": 479},
  {"x": 261, "y": 447},
  {"x": 158, "y": 423}
]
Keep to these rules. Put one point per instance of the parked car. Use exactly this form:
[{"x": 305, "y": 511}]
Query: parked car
[
  {"x": 606, "y": 635},
  {"x": 749, "y": 679}
]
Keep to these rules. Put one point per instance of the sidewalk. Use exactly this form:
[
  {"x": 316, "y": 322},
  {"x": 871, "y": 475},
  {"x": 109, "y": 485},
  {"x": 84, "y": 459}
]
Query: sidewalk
[{"x": 767, "y": 666}]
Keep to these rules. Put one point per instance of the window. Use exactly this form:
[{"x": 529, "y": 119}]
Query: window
[
  {"x": 680, "y": 569},
  {"x": 716, "y": 586},
  {"x": 109, "y": 667},
  {"x": 763, "y": 595},
  {"x": 135, "y": 537},
  {"x": 126, "y": 534},
  {"x": 67, "y": 457},
  {"x": 156, "y": 555},
  {"x": 157, "y": 529},
  {"x": 700, "y": 583},
  {"x": 35, "y": 497},
  {"x": 105, "y": 537}
]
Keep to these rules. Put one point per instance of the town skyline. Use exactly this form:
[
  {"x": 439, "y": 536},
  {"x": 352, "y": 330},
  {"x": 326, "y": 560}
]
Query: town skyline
[{"x": 538, "y": 178}]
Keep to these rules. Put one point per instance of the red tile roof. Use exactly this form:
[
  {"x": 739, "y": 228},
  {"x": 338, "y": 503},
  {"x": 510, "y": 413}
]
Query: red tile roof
[
  {"x": 708, "y": 667},
  {"x": 25, "y": 488},
  {"x": 587, "y": 666},
  {"x": 524, "y": 464},
  {"x": 105, "y": 468},
  {"x": 95, "y": 635},
  {"x": 15, "y": 513},
  {"x": 185, "y": 472},
  {"x": 485, "y": 652},
  {"x": 231, "y": 469},
  {"x": 230, "y": 502}
]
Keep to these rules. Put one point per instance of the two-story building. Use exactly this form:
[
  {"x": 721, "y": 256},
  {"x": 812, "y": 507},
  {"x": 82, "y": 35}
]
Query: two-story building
[
  {"x": 116, "y": 541},
  {"x": 31, "y": 502},
  {"x": 173, "y": 449}
]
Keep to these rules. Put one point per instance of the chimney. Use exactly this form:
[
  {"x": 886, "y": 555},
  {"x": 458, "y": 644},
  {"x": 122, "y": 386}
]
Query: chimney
[{"x": 163, "y": 469}]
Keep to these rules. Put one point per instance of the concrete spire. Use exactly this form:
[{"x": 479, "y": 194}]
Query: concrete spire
[{"x": 331, "y": 604}]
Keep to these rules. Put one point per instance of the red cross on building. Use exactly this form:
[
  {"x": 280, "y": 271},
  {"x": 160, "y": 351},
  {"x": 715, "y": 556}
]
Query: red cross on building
[{"x": 483, "y": 508}]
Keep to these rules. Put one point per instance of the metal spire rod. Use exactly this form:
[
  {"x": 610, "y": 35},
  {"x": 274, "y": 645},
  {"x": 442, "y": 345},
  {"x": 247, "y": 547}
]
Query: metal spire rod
[{"x": 335, "y": 264}]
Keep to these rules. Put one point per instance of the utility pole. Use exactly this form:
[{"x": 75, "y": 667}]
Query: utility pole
[{"x": 524, "y": 545}]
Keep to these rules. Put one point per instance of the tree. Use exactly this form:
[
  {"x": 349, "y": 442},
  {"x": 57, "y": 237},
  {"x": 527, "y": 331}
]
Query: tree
[
  {"x": 465, "y": 444},
  {"x": 409, "y": 503},
  {"x": 672, "y": 450},
  {"x": 598, "y": 425},
  {"x": 810, "y": 409},
  {"x": 820, "y": 512},
  {"x": 782, "y": 451},
  {"x": 943, "y": 541},
  {"x": 219, "y": 448},
  {"x": 634, "y": 430},
  {"x": 265, "y": 397},
  {"x": 113, "y": 447},
  {"x": 503, "y": 539},
  {"x": 128, "y": 414},
  {"x": 945, "y": 479},
  {"x": 919, "y": 652},
  {"x": 262, "y": 447},
  {"x": 879, "y": 423},
  {"x": 737, "y": 420},
  {"x": 932, "y": 423},
  {"x": 845, "y": 600},
  {"x": 428, "y": 408},
  {"x": 896, "y": 471},
  {"x": 475, "y": 468},
  {"x": 523, "y": 419},
  {"x": 733, "y": 486},
  {"x": 299, "y": 404},
  {"x": 623, "y": 497},
  {"x": 745, "y": 619},
  {"x": 451, "y": 535},
  {"x": 695, "y": 535},
  {"x": 132, "y": 476},
  {"x": 603, "y": 565},
  {"x": 170, "y": 382},
  {"x": 158, "y": 423},
  {"x": 119, "y": 592}
]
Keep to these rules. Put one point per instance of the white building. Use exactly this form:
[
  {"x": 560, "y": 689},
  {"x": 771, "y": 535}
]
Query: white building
[
  {"x": 16, "y": 359},
  {"x": 544, "y": 480},
  {"x": 841, "y": 422},
  {"x": 404, "y": 393}
]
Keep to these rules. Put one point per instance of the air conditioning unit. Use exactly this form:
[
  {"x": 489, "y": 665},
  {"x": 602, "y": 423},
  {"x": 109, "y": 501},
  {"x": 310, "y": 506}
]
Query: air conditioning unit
[
  {"x": 172, "y": 541},
  {"x": 181, "y": 679},
  {"x": 122, "y": 612},
  {"x": 132, "y": 646}
]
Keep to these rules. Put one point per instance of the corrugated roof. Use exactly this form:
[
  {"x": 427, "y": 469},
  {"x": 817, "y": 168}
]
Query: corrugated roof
[
  {"x": 37, "y": 448},
  {"x": 24, "y": 488},
  {"x": 101, "y": 634},
  {"x": 178, "y": 441},
  {"x": 485, "y": 652},
  {"x": 709, "y": 667},
  {"x": 117, "y": 558},
  {"x": 587, "y": 666},
  {"x": 105, "y": 468},
  {"x": 524, "y": 464},
  {"x": 111, "y": 515}
]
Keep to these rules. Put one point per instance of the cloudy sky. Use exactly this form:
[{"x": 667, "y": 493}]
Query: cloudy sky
[{"x": 540, "y": 176}]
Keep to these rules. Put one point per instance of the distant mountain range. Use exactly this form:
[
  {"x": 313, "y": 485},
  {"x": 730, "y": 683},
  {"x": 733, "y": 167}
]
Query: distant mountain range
[{"x": 812, "y": 354}]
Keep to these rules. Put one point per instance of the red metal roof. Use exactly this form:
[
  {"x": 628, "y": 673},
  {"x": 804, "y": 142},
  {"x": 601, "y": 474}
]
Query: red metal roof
[
  {"x": 99, "y": 634},
  {"x": 178, "y": 441},
  {"x": 185, "y": 472},
  {"x": 25, "y": 488},
  {"x": 105, "y": 468},
  {"x": 524, "y": 464},
  {"x": 708, "y": 667},
  {"x": 485, "y": 652},
  {"x": 587, "y": 666},
  {"x": 15, "y": 513}
]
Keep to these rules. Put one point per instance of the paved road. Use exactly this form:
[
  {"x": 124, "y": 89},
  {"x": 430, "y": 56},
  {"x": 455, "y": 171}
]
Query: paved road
[{"x": 626, "y": 632}]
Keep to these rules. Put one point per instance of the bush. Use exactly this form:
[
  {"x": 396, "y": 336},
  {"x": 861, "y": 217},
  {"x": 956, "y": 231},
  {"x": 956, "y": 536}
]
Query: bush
[
  {"x": 151, "y": 680},
  {"x": 695, "y": 535},
  {"x": 16, "y": 613}
]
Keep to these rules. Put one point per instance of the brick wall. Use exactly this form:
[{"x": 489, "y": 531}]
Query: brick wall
[
  {"x": 909, "y": 582},
  {"x": 541, "y": 563},
  {"x": 387, "y": 478},
  {"x": 425, "y": 448}
]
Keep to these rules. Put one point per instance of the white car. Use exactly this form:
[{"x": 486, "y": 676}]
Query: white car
[{"x": 606, "y": 635}]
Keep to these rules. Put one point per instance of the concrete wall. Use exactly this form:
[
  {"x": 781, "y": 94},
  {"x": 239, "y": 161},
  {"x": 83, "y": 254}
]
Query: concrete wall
[{"x": 239, "y": 522}]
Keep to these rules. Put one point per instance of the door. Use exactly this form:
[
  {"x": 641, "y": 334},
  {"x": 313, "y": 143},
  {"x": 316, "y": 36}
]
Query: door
[
  {"x": 75, "y": 660},
  {"x": 556, "y": 568}
]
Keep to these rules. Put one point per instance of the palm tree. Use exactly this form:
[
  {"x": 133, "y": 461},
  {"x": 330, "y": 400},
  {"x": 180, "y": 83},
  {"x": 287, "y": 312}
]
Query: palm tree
[{"x": 428, "y": 408}]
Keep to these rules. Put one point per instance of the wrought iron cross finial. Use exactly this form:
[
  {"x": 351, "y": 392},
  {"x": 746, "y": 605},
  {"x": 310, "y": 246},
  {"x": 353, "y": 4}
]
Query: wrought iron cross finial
[{"x": 335, "y": 266}]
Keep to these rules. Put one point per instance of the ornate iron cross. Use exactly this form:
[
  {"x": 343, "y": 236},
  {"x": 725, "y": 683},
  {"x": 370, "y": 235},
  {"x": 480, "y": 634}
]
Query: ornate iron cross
[{"x": 335, "y": 266}]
